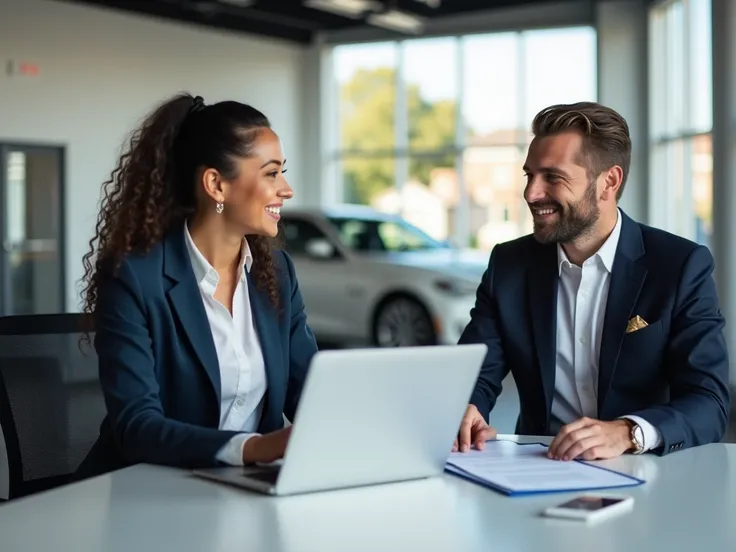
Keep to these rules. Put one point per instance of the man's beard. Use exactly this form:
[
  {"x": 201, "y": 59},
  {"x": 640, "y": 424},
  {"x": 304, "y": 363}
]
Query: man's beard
[{"x": 573, "y": 221}]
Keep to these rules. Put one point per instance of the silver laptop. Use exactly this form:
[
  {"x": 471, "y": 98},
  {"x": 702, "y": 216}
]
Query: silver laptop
[{"x": 369, "y": 416}]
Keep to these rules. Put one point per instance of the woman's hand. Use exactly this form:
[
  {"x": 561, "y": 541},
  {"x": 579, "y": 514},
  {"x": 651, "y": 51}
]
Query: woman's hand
[{"x": 266, "y": 448}]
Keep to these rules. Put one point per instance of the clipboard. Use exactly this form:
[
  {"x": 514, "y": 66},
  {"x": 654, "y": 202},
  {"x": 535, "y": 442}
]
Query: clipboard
[{"x": 511, "y": 471}]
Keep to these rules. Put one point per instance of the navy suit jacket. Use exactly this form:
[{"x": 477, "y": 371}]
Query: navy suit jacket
[
  {"x": 158, "y": 364},
  {"x": 673, "y": 373}
]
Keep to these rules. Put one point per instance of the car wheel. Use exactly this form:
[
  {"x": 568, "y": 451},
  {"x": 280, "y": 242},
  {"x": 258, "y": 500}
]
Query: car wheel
[{"x": 403, "y": 322}]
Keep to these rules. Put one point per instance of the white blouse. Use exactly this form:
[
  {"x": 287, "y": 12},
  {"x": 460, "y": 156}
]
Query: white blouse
[{"x": 239, "y": 354}]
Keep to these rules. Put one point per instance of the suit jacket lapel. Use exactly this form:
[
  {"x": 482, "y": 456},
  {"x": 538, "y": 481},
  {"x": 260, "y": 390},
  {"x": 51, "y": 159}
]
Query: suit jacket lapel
[
  {"x": 186, "y": 302},
  {"x": 543, "y": 281},
  {"x": 627, "y": 279},
  {"x": 266, "y": 323}
]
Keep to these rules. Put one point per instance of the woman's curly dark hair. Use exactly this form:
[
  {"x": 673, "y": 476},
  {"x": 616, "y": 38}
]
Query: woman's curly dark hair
[{"x": 152, "y": 189}]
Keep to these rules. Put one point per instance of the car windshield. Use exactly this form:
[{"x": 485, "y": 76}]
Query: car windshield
[{"x": 368, "y": 235}]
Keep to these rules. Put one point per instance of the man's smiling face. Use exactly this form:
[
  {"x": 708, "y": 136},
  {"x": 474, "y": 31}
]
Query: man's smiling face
[{"x": 562, "y": 196}]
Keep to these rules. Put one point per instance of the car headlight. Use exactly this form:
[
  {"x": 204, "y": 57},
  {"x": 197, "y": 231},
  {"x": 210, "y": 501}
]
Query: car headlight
[{"x": 457, "y": 287}]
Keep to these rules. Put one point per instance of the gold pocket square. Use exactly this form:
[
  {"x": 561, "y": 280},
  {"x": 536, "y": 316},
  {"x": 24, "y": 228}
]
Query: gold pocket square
[{"x": 636, "y": 323}]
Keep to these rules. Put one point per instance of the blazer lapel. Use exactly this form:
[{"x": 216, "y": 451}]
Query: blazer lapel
[
  {"x": 627, "y": 279},
  {"x": 543, "y": 282},
  {"x": 186, "y": 302},
  {"x": 266, "y": 323}
]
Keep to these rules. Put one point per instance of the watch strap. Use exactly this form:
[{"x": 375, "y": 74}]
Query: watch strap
[{"x": 637, "y": 441}]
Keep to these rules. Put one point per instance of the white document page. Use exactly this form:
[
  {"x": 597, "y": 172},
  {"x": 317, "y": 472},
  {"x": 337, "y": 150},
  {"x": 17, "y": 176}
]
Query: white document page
[{"x": 516, "y": 468}]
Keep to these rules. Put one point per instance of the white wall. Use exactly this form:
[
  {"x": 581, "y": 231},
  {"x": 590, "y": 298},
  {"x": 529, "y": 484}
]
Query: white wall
[
  {"x": 724, "y": 167},
  {"x": 101, "y": 71},
  {"x": 622, "y": 85},
  {"x": 316, "y": 82}
]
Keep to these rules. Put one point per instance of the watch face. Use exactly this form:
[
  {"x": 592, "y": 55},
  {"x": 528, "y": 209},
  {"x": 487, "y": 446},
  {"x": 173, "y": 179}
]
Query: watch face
[{"x": 639, "y": 436}]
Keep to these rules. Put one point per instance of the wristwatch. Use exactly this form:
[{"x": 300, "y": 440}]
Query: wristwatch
[{"x": 636, "y": 435}]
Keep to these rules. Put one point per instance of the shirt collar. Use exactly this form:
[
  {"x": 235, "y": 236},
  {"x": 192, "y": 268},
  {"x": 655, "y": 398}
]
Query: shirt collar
[
  {"x": 203, "y": 269},
  {"x": 606, "y": 254}
]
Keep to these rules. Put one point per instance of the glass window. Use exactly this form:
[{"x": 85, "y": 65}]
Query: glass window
[
  {"x": 296, "y": 233},
  {"x": 701, "y": 165},
  {"x": 657, "y": 73},
  {"x": 701, "y": 78},
  {"x": 494, "y": 182},
  {"x": 367, "y": 235},
  {"x": 405, "y": 151},
  {"x": 681, "y": 68},
  {"x": 491, "y": 95},
  {"x": 430, "y": 196},
  {"x": 559, "y": 67},
  {"x": 674, "y": 70},
  {"x": 31, "y": 264},
  {"x": 430, "y": 92},
  {"x": 367, "y": 179},
  {"x": 366, "y": 77},
  {"x": 681, "y": 118},
  {"x": 676, "y": 154}
]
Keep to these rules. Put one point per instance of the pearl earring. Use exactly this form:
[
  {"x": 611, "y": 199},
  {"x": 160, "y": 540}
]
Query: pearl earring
[{"x": 220, "y": 206}]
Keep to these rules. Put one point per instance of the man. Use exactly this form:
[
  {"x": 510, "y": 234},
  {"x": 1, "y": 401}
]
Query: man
[{"x": 611, "y": 329}]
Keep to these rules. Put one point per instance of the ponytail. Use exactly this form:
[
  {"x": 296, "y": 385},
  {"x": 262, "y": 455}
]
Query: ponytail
[
  {"x": 152, "y": 189},
  {"x": 137, "y": 206}
]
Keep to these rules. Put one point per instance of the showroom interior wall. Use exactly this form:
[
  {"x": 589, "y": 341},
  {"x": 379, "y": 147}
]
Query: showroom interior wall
[
  {"x": 724, "y": 166},
  {"x": 100, "y": 71},
  {"x": 317, "y": 118},
  {"x": 622, "y": 85}
]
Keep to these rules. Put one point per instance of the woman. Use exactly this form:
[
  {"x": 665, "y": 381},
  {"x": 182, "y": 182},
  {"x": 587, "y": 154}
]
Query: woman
[{"x": 201, "y": 334}]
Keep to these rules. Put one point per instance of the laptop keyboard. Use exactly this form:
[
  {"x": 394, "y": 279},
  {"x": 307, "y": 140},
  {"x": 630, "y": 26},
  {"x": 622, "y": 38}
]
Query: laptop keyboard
[{"x": 268, "y": 475}]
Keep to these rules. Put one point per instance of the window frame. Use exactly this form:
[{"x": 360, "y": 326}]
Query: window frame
[
  {"x": 460, "y": 230},
  {"x": 672, "y": 126}
]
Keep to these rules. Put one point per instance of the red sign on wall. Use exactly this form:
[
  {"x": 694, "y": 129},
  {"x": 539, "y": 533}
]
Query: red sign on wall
[{"x": 22, "y": 68}]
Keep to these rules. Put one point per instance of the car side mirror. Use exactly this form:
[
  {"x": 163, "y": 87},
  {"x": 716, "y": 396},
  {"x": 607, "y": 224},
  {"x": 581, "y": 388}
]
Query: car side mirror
[{"x": 320, "y": 248}]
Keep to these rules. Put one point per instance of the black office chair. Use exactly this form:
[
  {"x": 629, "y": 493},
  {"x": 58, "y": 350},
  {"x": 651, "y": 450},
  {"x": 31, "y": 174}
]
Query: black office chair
[{"x": 51, "y": 404}]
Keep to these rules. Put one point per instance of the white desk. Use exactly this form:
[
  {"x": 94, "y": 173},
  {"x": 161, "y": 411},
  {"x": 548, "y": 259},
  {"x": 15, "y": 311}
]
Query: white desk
[{"x": 688, "y": 503}]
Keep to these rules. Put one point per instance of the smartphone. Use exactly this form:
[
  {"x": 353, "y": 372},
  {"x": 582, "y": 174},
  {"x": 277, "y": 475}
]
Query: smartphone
[{"x": 591, "y": 508}]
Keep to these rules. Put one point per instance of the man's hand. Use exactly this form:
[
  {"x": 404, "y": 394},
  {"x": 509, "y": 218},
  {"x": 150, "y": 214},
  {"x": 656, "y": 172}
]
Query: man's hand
[
  {"x": 473, "y": 430},
  {"x": 591, "y": 439},
  {"x": 266, "y": 448}
]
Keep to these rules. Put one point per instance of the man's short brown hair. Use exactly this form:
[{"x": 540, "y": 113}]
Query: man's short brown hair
[{"x": 606, "y": 139}]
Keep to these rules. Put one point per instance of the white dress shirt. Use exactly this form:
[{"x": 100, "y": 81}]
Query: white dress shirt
[
  {"x": 581, "y": 307},
  {"x": 239, "y": 354}
]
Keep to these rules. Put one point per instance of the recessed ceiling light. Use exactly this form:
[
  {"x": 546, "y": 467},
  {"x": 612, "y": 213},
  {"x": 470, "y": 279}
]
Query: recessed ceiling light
[
  {"x": 349, "y": 8},
  {"x": 396, "y": 20}
]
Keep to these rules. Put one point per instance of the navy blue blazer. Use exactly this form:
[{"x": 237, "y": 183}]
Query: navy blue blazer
[
  {"x": 673, "y": 373},
  {"x": 158, "y": 364}
]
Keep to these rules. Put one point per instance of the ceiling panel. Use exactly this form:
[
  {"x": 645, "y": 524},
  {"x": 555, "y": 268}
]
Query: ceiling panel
[{"x": 292, "y": 19}]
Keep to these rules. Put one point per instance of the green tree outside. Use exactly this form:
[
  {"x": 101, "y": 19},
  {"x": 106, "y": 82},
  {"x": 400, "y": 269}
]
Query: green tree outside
[{"x": 367, "y": 116}]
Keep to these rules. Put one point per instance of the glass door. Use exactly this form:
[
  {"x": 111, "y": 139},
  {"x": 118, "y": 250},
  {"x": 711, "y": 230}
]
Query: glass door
[{"x": 31, "y": 229}]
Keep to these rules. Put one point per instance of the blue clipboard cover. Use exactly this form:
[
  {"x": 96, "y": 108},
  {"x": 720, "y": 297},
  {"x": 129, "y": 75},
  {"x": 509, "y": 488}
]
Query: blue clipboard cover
[{"x": 522, "y": 469}]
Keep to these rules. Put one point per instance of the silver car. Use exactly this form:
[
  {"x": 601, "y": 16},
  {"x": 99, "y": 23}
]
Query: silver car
[{"x": 370, "y": 278}]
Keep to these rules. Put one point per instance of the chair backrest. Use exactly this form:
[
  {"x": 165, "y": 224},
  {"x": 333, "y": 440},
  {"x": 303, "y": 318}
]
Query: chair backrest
[
  {"x": 4, "y": 473},
  {"x": 51, "y": 404}
]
